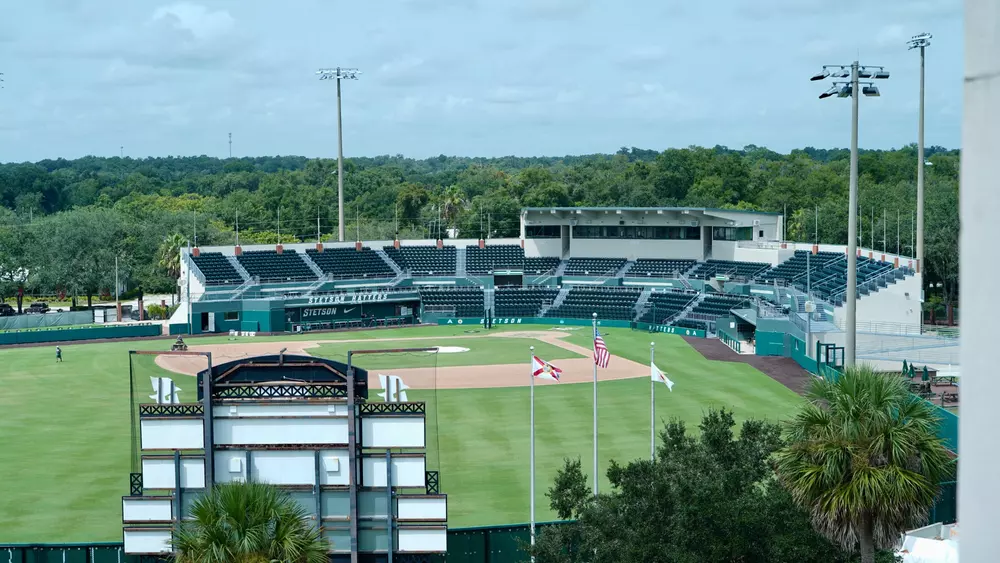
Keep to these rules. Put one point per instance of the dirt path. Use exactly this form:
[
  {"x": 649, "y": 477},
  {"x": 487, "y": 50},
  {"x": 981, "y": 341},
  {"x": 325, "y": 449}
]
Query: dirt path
[
  {"x": 783, "y": 370},
  {"x": 577, "y": 370}
]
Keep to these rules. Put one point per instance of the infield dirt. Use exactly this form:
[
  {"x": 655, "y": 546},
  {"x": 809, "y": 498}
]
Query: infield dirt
[{"x": 577, "y": 370}]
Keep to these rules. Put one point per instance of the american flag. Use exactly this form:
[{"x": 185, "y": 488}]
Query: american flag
[{"x": 601, "y": 354}]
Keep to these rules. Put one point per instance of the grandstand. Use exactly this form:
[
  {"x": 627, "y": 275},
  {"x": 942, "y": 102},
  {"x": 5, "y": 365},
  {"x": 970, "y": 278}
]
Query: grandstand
[
  {"x": 661, "y": 268},
  {"x": 594, "y": 266},
  {"x": 347, "y": 262},
  {"x": 614, "y": 303},
  {"x": 523, "y": 302},
  {"x": 487, "y": 259},
  {"x": 729, "y": 268},
  {"x": 273, "y": 266},
  {"x": 467, "y": 302},
  {"x": 699, "y": 269},
  {"x": 424, "y": 260},
  {"x": 665, "y": 306},
  {"x": 216, "y": 269}
]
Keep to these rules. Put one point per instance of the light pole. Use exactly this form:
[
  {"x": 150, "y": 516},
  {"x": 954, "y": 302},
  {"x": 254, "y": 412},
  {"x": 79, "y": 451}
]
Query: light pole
[
  {"x": 841, "y": 89},
  {"x": 921, "y": 42},
  {"x": 338, "y": 74}
]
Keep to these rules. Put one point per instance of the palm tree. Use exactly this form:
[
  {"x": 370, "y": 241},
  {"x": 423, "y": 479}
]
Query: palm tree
[
  {"x": 169, "y": 258},
  {"x": 452, "y": 203},
  {"x": 863, "y": 457},
  {"x": 249, "y": 523}
]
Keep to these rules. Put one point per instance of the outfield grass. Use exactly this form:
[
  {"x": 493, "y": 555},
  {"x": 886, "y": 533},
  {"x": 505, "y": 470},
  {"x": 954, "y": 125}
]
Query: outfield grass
[{"x": 66, "y": 432}]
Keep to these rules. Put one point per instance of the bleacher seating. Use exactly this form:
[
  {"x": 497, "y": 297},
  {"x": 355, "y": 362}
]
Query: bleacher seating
[
  {"x": 424, "y": 260},
  {"x": 659, "y": 268},
  {"x": 522, "y": 302},
  {"x": 217, "y": 269},
  {"x": 594, "y": 266},
  {"x": 690, "y": 323},
  {"x": 268, "y": 265},
  {"x": 344, "y": 262},
  {"x": 493, "y": 257},
  {"x": 467, "y": 301},
  {"x": 614, "y": 303},
  {"x": 794, "y": 269},
  {"x": 718, "y": 305},
  {"x": 540, "y": 264},
  {"x": 711, "y": 268},
  {"x": 665, "y": 304}
]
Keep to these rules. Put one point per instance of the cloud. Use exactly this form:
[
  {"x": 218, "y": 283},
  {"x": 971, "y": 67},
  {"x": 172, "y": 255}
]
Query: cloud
[{"x": 196, "y": 19}]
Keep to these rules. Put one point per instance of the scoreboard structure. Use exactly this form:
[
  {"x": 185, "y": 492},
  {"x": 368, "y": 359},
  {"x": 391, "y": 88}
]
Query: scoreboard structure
[{"x": 303, "y": 424}]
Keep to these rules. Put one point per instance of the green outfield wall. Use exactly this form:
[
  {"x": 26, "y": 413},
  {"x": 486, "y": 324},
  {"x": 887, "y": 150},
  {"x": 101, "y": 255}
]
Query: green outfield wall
[{"x": 40, "y": 336}]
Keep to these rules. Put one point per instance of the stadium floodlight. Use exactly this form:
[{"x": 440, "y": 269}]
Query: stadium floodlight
[
  {"x": 921, "y": 41},
  {"x": 852, "y": 90},
  {"x": 828, "y": 93},
  {"x": 339, "y": 74}
]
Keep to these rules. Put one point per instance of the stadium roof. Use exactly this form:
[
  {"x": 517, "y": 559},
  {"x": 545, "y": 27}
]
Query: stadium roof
[{"x": 648, "y": 209}]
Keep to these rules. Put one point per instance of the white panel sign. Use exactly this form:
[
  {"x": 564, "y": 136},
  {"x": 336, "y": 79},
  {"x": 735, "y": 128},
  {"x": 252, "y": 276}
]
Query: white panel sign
[
  {"x": 333, "y": 466},
  {"x": 172, "y": 433},
  {"x": 423, "y": 540},
  {"x": 406, "y": 471},
  {"x": 422, "y": 508},
  {"x": 158, "y": 473},
  {"x": 279, "y": 409},
  {"x": 147, "y": 510},
  {"x": 392, "y": 432},
  {"x": 253, "y": 431},
  {"x": 147, "y": 541},
  {"x": 284, "y": 468},
  {"x": 230, "y": 465}
]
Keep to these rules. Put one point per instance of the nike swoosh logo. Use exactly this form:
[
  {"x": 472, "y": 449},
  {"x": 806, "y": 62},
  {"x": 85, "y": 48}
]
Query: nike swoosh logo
[{"x": 349, "y": 310}]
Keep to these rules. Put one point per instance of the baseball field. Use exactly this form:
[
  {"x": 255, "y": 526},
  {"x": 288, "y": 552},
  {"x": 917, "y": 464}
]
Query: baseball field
[{"x": 65, "y": 457}]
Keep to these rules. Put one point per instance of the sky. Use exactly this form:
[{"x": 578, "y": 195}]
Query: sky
[{"x": 463, "y": 77}]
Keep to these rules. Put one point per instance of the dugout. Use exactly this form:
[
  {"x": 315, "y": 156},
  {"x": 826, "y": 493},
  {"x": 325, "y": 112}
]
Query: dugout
[{"x": 294, "y": 313}]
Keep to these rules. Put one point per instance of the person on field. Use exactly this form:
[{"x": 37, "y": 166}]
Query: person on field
[{"x": 58, "y": 354}]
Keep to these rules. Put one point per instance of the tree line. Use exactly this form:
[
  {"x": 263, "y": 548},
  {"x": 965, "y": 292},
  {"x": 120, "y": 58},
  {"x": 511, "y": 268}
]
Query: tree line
[{"x": 63, "y": 222}]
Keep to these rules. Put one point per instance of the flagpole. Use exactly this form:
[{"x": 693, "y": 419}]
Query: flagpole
[
  {"x": 532, "y": 375},
  {"x": 596, "y": 474},
  {"x": 652, "y": 405}
]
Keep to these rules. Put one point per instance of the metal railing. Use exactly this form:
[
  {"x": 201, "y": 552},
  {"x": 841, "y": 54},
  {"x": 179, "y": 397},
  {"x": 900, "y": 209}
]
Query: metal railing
[{"x": 763, "y": 244}]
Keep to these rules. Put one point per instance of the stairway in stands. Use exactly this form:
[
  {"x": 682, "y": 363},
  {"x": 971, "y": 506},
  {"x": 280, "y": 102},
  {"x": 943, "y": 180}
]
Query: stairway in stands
[
  {"x": 460, "y": 261},
  {"x": 238, "y": 267},
  {"x": 623, "y": 271},
  {"x": 560, "y": 297},
  {"x": 313, "y": 266},
  {"x": 489, "y": 300},
  {"x": 643, "y": 303},
  {"x": 680, "y": 316},
  {"x": 392, "y": 263}
]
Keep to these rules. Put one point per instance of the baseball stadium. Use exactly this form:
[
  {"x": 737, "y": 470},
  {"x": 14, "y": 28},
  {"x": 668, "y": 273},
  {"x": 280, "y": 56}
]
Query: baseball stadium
[{"x": 445, "y": 328}]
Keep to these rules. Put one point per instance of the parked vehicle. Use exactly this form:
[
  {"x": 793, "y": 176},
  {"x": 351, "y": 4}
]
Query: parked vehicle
[
  {"x": 38, "y": 307},
  {"x": 7, "y": 311}
]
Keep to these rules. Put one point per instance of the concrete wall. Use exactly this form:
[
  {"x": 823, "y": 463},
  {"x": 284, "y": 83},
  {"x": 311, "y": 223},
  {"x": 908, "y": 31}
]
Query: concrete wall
[
  {"x": 633, "y": 249},
  {"x": 535, "y": 247},
  {"x": 899, "y": 303}
]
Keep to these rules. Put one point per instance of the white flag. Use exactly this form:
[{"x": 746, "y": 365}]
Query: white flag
[
  {"x": 398, "y": 388},
  {"x": 164, "y": 391},
  {"x": 658, "y": 375}
]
